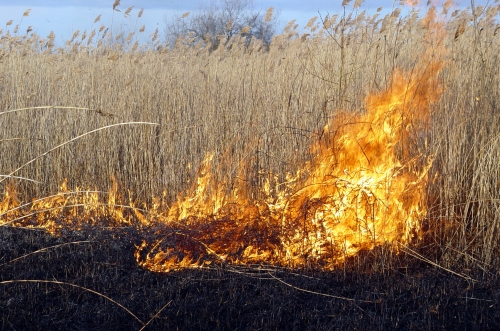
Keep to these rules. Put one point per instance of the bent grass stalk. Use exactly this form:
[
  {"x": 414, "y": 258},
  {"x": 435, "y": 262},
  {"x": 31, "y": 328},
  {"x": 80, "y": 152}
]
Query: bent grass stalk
[
  {"x": 74, "y": 139},
  {"x": 100, "y": 112},
  {"x": 46, "y": 249},
  {"x": 44, "y": 281},
  {"x": 230, "y": 96}
]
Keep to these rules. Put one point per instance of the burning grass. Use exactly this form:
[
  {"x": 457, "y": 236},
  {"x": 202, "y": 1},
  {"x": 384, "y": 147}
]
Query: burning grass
[
  {"x": 276, "y": 205},
  {"x": 354, "y": 195}
]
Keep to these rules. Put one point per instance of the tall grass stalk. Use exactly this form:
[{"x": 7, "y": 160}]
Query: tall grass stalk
[{"x": 257, "y": 107}]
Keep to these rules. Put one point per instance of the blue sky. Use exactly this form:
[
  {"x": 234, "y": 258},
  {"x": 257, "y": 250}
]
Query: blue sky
[{"x": 66, "y": 16}]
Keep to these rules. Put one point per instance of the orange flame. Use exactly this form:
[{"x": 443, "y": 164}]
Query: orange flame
[
  {"x": 364, "y": 187},
  {"x": 74, "y": 208}
]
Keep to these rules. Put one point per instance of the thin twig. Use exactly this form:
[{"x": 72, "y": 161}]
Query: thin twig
[
  {"x": 73, "y": 139},
  {"x": 72, "y": 285},
  {"x": 318, "y": 293},
  {"x": 156, "y": 315},
  {"x": 22, "y": 178},
  {"x": 100, "y": 112},
  {"x": 422, "y": 258},
  {"x": 17, "y": 139},
  {"x": 477, "y": 299},
  {"x": 45, "y": 249}
]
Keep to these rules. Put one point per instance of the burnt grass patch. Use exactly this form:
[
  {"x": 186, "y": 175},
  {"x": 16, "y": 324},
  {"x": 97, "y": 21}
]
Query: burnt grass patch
[{"x": 89, "y": 280}]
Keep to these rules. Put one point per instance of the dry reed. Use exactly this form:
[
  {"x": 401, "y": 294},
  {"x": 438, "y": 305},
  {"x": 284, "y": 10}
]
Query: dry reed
[{"x": 256, "y": 109}]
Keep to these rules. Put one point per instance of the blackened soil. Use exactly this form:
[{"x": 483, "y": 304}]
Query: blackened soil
[{"x": 79, "y": 279}]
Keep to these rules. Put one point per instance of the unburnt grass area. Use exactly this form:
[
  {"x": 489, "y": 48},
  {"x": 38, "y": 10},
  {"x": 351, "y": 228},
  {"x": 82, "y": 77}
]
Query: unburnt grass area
[{"x": 89, "y": 280}]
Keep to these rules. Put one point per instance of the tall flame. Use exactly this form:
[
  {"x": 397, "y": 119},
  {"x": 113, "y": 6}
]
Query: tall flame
[{"x": 365, "y": 187}]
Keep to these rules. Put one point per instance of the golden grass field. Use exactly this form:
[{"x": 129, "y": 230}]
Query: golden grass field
[
  {"x": 258, "y": 110},
  {"x": 118, "y": 135}
]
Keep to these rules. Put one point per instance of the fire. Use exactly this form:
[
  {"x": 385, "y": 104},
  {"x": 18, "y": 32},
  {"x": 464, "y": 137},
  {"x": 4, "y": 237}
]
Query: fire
[
  {"x": 361, "y": 191},
  {"x": 364, "y": 188},
  {"x": 68, "y": 208}
]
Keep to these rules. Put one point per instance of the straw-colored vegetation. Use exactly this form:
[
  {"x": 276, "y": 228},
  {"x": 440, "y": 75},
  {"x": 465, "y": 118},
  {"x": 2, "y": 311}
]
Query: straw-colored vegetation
[{"x": 257, "y": 109}]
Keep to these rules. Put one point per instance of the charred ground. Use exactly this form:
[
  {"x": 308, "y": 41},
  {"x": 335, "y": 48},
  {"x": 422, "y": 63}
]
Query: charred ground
[{"x": 406, "y": 294}]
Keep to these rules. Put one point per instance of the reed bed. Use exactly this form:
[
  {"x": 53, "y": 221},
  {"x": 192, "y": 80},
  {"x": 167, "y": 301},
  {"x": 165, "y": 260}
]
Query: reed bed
[
  {"x": 107, "y": 114},
  {"x": 258, "y": 109}
]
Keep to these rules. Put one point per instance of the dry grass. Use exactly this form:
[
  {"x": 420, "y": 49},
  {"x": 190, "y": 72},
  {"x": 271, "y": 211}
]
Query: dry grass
[
  {"x": 257, "y": 110},
  {"x": 70, "y": 112}
]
